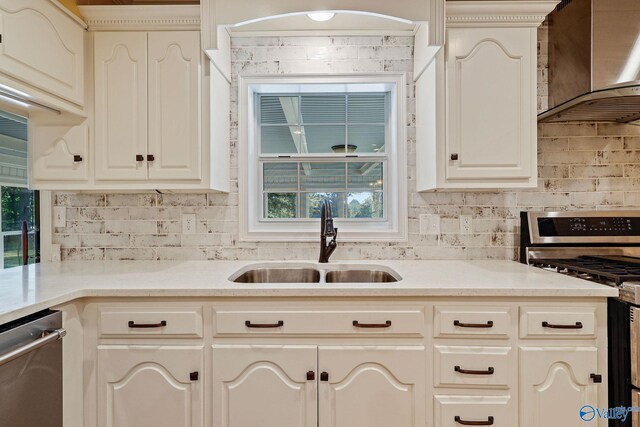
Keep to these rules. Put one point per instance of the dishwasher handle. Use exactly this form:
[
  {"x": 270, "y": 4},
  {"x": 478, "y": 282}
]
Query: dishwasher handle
[{"x": 48, "y": 337}]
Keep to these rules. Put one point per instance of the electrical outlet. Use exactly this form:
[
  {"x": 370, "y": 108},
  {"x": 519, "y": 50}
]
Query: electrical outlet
[
  {"x": 429, "y": 224},
  {"x": 59, "y": 216},
  {"x": 466, "y": 224},
  {"x": 188, "y": 223}
]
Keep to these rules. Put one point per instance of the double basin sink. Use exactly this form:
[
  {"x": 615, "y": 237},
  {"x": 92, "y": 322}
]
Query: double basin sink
[{"x": 314, "y": 274}]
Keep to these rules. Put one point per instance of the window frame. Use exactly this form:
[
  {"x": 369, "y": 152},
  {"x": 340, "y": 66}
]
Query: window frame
[{"x": 253, "y": 227}]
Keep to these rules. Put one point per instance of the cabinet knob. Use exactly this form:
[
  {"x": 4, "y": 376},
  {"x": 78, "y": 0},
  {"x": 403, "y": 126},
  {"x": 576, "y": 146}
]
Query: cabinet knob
[
  {"x": 139, "y": 158},
  {"x": 324, "y": 376},
  {"x": 454, "y": 156},
  {"x": 597, "y": 378},
  {"x": 150, "y": 157},
  {"x": 77, "y": 158},
  {"x": 311, "y": 376},
  {"x": 193, "y": 376}
]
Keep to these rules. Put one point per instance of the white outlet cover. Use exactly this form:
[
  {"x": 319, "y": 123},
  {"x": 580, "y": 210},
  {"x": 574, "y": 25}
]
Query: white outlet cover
[
  {"x": 429, "y": 224},
  {"x": 59, "y": 216},
  {"x": 189, "y": 224},
  {"x": 466, "y": 224}
]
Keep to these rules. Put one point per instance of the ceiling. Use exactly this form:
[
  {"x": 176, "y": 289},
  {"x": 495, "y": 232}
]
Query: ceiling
[{"x": 134, "y": 2}]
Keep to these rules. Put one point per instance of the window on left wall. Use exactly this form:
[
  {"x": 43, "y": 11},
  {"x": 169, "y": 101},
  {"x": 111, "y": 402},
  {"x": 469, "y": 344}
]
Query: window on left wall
[{"x": 19, "y": 207}]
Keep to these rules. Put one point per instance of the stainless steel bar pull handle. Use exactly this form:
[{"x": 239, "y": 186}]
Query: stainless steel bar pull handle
[{"x": 47, "y": 338}]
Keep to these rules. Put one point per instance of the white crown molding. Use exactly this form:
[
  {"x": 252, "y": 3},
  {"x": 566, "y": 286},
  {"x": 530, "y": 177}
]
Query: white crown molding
[
  {"x": 498, "y": 13},
  {"x": 142, "y": 18}
]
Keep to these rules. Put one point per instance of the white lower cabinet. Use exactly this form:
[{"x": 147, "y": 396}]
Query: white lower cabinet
[
  {"x": 282, "y": 363},
  {"x": 264, "y": 385},
  {"x": 555, "y": 383},
  {"x": 149, "y": 386},
  {"x": 326, "y": 386}
]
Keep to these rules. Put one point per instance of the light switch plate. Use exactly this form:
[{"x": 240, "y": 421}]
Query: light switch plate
[
  {"x": 429, "y": 224},
  {"x": 59, "y": 216},
  {"x": 188, "y": 223}
]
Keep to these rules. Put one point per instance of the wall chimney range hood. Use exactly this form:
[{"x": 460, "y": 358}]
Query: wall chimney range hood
[{"x": 594, "y": 61}]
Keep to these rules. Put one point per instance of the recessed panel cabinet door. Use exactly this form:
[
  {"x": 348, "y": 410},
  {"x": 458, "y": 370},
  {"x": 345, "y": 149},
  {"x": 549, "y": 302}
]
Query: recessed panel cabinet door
[
  {"x": 121, "y": 105},
  {"x": 372, "y": 386},
  {"x": 555, "y": 384},
  {"x": 491, "y": 104},
  {"x": 59, "y": 153},
  {"x": 174, "y": 105},
  {"x": 43, "y": 47},
  {"x": 150, "y": 386},
  {"x": 264, "y": 386}
]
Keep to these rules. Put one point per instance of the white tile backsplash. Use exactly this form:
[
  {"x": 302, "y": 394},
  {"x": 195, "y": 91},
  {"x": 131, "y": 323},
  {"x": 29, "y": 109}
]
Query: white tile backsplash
[{"x": 582, "y": 166}]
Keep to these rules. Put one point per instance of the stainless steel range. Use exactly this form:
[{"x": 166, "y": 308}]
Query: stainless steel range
[{"x": 603, "y": 247}]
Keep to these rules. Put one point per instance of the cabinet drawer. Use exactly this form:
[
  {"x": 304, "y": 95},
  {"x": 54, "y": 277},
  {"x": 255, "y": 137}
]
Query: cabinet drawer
[
  {"x": 545, "y": 322},
  {"x": 473, "y": 366},
  {"x": 471, "y": 322},
  {"x": 453, "y": 411},
  {"x": 287, "y": 321},
  {"x": 150, "y": 321}
]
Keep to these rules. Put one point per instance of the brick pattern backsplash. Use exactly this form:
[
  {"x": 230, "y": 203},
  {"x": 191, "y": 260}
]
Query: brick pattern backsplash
[{"x": 581, "y": 166}]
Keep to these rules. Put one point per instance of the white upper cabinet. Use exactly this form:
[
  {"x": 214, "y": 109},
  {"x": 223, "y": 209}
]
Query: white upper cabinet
[
  {"x": 61, "y": 153},
  {"x": 42, "y": 46},
  {"x": 476, "y": 103},
  {"x": 491, "y": 84},
  {"x": 148, "y": 106},
  {"x": 174, "y": 105},
  {"x": 121, "y": 105}
]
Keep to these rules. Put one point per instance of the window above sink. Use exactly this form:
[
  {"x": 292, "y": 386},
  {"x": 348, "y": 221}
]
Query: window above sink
[{"x": 307, "y": 138}]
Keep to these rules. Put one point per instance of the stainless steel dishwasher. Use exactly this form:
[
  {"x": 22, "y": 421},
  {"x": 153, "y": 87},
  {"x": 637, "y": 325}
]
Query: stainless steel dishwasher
[{"x": 31, "y": 371}]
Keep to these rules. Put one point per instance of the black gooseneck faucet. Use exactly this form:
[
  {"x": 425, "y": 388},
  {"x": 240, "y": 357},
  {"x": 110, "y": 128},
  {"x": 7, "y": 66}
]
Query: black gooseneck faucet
[{"x": 327, "y": 230}]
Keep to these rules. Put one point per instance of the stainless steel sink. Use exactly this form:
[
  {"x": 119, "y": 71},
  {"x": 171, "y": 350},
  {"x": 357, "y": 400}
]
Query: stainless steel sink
[
  {"x": 360, "y": 276},
  {"x": 279, "y": 275}
]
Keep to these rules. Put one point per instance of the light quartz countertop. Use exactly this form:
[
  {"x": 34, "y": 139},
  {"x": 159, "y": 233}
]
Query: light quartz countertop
[{"x": 25, "y": 290}]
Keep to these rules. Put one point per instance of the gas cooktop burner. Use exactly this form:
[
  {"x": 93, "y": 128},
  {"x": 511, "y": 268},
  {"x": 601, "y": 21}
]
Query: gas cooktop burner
[{"x": 617, "y": 269}]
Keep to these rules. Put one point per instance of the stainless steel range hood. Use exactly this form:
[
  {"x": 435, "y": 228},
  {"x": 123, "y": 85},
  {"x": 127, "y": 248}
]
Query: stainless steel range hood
[{"x": 594, "y": 61}]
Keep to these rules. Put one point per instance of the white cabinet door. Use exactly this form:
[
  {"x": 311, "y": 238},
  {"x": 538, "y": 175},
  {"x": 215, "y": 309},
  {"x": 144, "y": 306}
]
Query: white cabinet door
[
  {"x": 120, "y": 105},
  {"x": 372, "y": 386},
  {"x": 149, "y": 386},
  {"x": 59, "y": 153},
  {"x": 264, "y": 385},
  {"x": 42, "y": 47},
  {"x": 491, "y": 82},
  {"x": 174, "y": 105},
  {"x": 555, "y": 384}
]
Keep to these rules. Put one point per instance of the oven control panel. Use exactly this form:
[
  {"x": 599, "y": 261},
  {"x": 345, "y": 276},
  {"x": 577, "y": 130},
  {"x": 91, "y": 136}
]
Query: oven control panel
[{"x": 576, "y": 226}]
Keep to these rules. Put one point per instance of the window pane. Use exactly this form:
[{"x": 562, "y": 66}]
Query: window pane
[
  {"x": 323, "y": 177},
  {"x": 367, "y": 108},
  {"x": 17, "y": 206},
  {"x": 279, "y": 110},
  {"x": 322, "y": 139},
  {"x": 279, "y": 139},
  {"x": 365, "y": 205},
  {"x": 324, "y": 109},
  {"x": 368, "y": 138},
  {"x": 280, "y": 205},
  {"x": 311, "y": 202},
  {"x": 280, "y": 176},
  {"x": 365, "y": 176}
]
